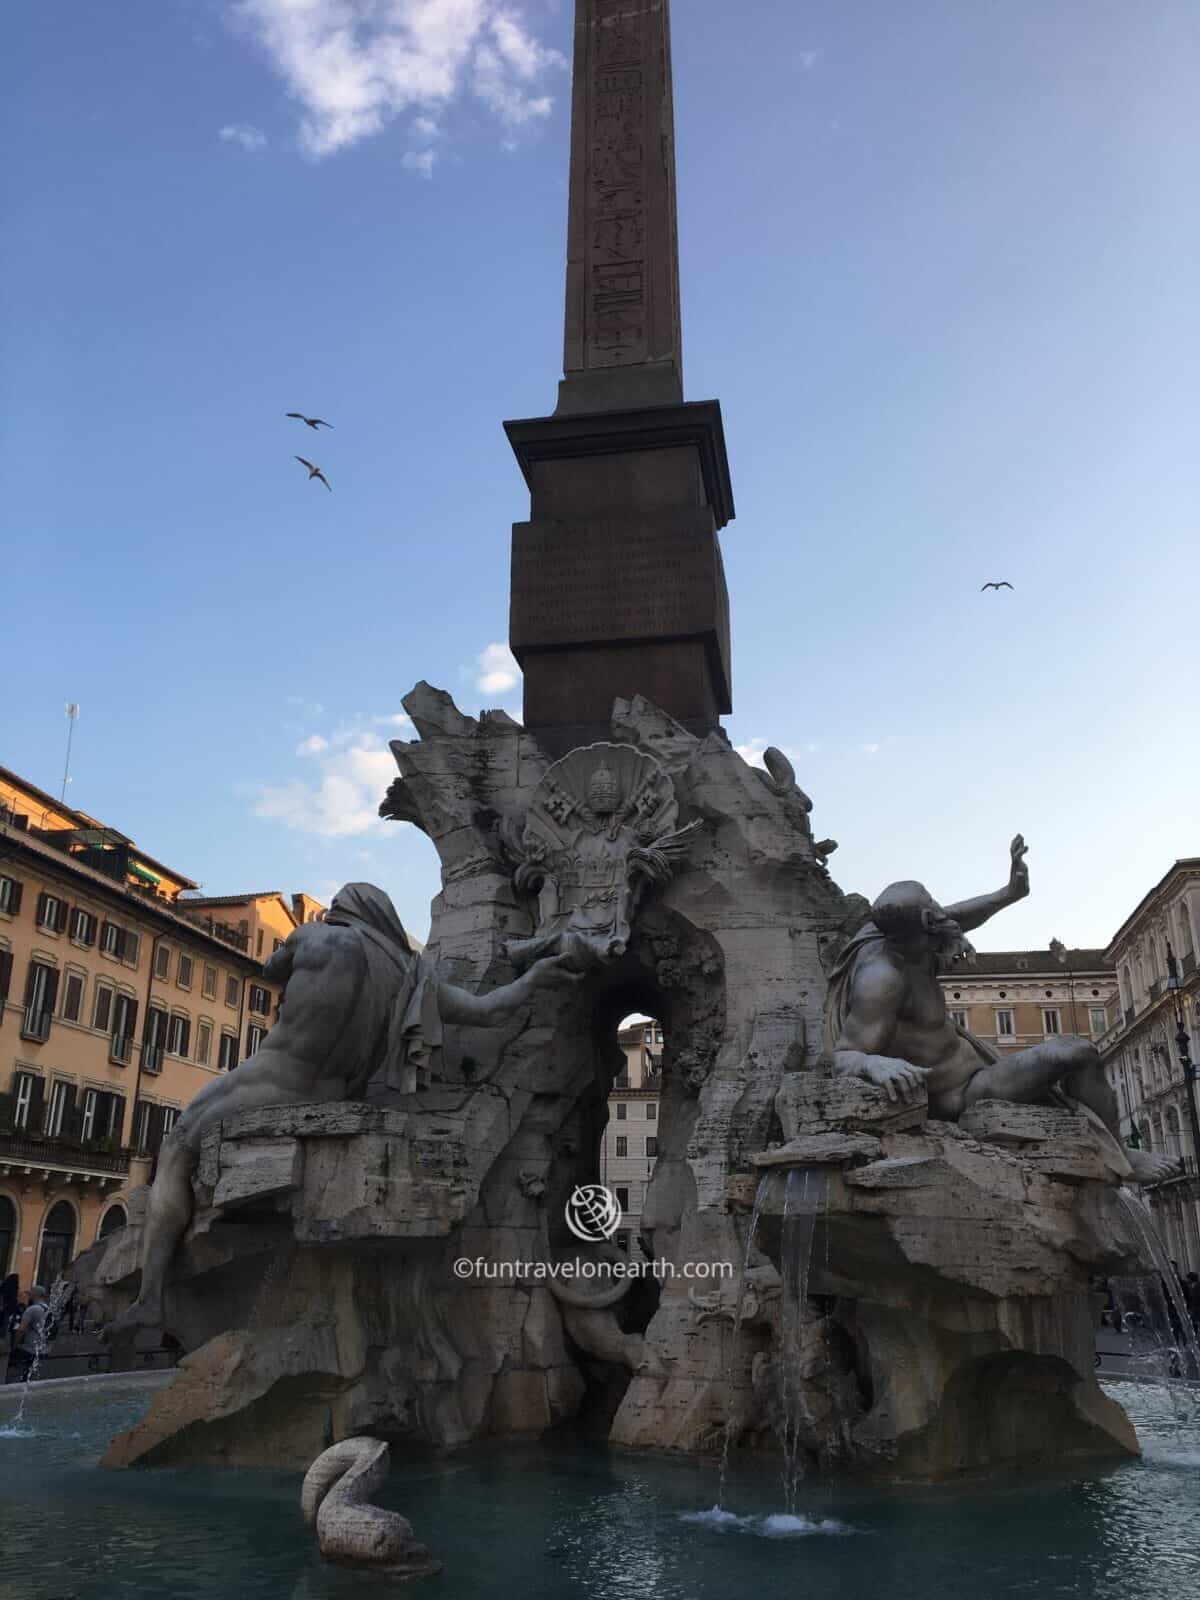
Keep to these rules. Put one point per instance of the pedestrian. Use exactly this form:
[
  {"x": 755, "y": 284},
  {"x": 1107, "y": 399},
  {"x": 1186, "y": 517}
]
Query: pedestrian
[
  {"x": 10, "y": 1300},
  {"x": 29, "y": 1341}
]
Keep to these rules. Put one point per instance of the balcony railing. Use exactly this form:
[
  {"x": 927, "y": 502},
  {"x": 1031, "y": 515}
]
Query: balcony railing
[
  {"x": 152, "y": 1055},
  {"x": 120, "y": 1049},
  {"x": 32, "y": 1149},
  {"x": 35, "y": 1024}
]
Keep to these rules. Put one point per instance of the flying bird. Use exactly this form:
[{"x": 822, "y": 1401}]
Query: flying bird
[
  {"x": 314, "y": 472},
  {"x": 312, "y": 422},
  {"x": 1003, "y": 584}
]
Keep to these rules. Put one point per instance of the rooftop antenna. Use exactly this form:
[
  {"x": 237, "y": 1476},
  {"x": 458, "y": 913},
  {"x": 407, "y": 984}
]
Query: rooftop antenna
[{"x": 72, "y": 718}]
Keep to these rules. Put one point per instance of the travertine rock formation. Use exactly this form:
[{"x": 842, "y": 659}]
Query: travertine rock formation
[{"x": 946, "y": 1324}]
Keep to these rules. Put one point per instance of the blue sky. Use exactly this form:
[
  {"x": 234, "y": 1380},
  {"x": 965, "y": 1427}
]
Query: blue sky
[{"x": 939, "y": 264}]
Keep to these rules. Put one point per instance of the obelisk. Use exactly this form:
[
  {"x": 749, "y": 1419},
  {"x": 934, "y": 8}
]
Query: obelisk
[{"x": 617, "y": 582}]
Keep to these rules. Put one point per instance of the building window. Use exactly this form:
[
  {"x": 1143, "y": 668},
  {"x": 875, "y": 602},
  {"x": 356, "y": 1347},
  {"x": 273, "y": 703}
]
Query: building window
[
  {"x": 622, "y": 1145},
  {"x": 651, "y": 1110},
  {"x": 276, "y": 944},
  {"x": 162, "y": 963},
  {"x": 209, "y": 986},
  {"x": 228, "y": 1057},
  {"x": 1051, "y": 1021},
  {"x": 130, "y": 945},
  {"x": 102, "y": 1011},
  {"x": 233, "y": 991},
  {"x": 1097, "y": 1020},
  {"x": 10, "y": 896},
  {"x": 51, "y": 913},
  {"x": 651, "y": 1146},
  {"x": 41, "y": 994},
  {"x": 260, "y": 1000},
  {"x": 959, "y": 1019},
  {"x": 169, "y": 1118},
  {"x": 1004, "y": 1024},
  {"x": 622, "y": 1111},
  {"x": 183, "y": 975},
  {"x": 254, "y": 1038},
  {"x": 258, "y": 945},
  {"x": 124, "y": 1025},
  {"x": 179, "y": 1035},
  {"x": 62, "y": 1098},
  {"x": 622, "y": 1198},
  {"x": 27, "y": 1091},
  {"x": 203, "y": 1043},
  {"x": 73, "y": 997},
  {"x": 88, "y": 1129},
  {"x": 83, "y": 927}
]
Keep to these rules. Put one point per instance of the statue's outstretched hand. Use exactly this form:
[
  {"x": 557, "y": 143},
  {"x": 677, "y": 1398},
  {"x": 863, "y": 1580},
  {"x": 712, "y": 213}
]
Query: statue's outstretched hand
[
  {"x": 901, "y": 1079},
  {"x": 553, "y": 970},
  {"x": 1018, "y": 874}
]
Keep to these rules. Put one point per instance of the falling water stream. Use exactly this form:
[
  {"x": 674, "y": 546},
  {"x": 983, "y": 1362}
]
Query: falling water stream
[
  {"x": 1153, "y": 1310},
  {"x": 59, "y": 1291},
  {"x": 805, "y": 1196},
  {"x": 730, "y": 1403}
]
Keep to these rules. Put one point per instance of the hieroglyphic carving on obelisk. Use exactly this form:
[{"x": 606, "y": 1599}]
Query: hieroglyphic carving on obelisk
[{"x": 622, "y": 347}]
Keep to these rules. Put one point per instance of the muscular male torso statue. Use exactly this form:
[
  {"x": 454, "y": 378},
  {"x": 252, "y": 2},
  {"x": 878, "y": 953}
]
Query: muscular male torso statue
[
  {"x": 888, "y": 1023},
  {"x": 357, "y": 999}
]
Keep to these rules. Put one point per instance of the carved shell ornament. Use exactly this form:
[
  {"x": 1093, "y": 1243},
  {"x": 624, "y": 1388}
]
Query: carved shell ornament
[{"x": 600, "y": 830}]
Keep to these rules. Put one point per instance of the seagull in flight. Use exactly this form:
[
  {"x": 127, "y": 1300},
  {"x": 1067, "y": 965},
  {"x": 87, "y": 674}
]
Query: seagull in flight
[
  {"x": 1003, "y": 584},
  {"x": 314, "y": 472},
  {"x": 313, "y": 422}
]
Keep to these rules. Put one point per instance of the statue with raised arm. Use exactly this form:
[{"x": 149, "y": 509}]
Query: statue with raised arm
[
  {"x": 357, "y": 1000},
  {"x": 886, "y": 1018}
]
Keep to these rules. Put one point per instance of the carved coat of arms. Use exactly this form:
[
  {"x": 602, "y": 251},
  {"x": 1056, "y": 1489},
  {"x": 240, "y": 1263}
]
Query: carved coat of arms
[{"x": 599, "y": 833}]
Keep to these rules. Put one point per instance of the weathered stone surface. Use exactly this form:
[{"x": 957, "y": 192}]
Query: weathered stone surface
[
  {"x": 809, "y": 1103},
  {"x": 958, "y": 1268},
  {"x": 819, "y": 1149},
  {"x": 1071, "y": 1145},
  {"x": 320, "y": 1120},
  {"x": 254, "y": 1170}
]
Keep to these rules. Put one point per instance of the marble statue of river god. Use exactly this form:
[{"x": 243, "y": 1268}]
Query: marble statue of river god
[
  {"x": 887, "y": 1022},
  {"x": 357, "y": 999}
]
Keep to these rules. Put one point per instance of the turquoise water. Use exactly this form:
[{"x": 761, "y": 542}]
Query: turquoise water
[{"x": 534, "y": 1523}]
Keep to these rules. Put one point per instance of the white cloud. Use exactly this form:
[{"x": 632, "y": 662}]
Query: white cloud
[
  {"x": 243, "y": 133},
  {"x": 343, "y": 799},
  {"x": 752, "y": 753},
  {"x": 354, "y": 65},
  {"x": 353, "y": 768},
  {"x": 506, "y": 65},
  {"x": 496, "y": 669},
  {"x": 870, "y": 749},
  {"x": 809, "y": 59},
  {"x": 425, "y": 128},
  {"x": 419, "y": 161}
]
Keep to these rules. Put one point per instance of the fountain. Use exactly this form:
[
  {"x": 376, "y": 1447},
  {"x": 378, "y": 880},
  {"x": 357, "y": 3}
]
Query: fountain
[{"x": 361, "y": 1240}]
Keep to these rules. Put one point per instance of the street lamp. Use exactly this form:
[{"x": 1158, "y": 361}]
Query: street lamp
[{"x": 1183, "y": 1045}]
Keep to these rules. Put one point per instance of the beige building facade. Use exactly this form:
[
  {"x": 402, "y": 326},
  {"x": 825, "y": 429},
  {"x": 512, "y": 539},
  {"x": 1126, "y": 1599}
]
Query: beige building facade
[
  {"x": 1013, "y": 999},
  {"x": 121, "y": 996},
  {"x": 1154, "y": 953},
  {"x": 629, "y": 1148}
]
